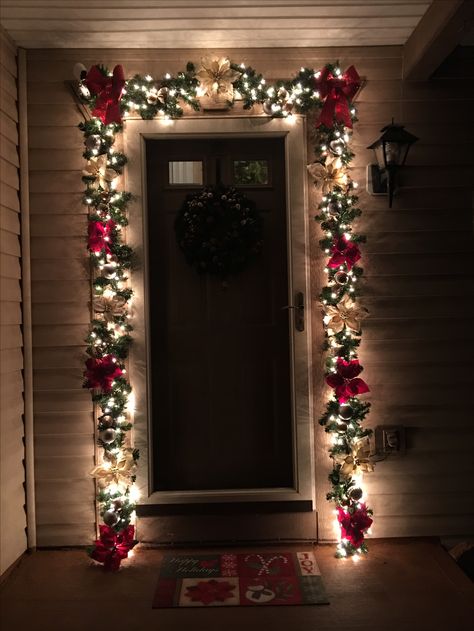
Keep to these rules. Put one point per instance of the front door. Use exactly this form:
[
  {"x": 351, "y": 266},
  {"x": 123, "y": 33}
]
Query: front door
[
  {"x": 223, "y": 431},
  {"x": 220, "y": 356}
]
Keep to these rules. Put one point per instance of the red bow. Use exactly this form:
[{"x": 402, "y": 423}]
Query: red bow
[
  {"x": 344, "y": 379},
  {"x": 108, "y": 91},
  {"x": 344, "y": 251},
  {"x": 100, "y": 372},
  {"x": 99, "y": 235},
  {"x": 113, "y": 546},
  {"x": 338, "y": 91},
  {"x": 354, "y": 525}
]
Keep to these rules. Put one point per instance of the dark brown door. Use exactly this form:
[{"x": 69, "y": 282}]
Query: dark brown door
[{"x": 220, "y": 359}]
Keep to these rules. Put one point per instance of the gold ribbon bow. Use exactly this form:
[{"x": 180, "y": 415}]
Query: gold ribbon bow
[
  {"x": 328, "y": 175},
  {"x": 116, "y": 470},
  {"x": 110, "y": 307},
  {"x": 216, "y": 77},
  {"x": 358, "y": 461},
  {"x": 96, "y": 167},
  {"x": 346, "y": 313}
]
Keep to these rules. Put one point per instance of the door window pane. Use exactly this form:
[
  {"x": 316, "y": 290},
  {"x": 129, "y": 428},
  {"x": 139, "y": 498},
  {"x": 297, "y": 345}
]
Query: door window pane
[
  {"x": 250, "y": 172},
  {"x": 185, "y": 172}
]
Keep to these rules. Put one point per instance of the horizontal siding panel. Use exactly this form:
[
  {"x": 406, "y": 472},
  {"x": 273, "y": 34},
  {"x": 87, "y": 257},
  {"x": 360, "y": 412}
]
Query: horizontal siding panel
[
  {"x": 8, "y": 150},
  {"x": 8, "y": 82},
  {"x": 59, "y": 357},
  {"x": 47, "y": 270},
  {"x": 61, "y": 291},
  {"x": 63, "y": 401},
  {"x": 64, "y": 468},
  {"x": 59, "y": 379},
  {"x": 422, "y": 526},
  {"x": 64, "y": 444},
  {"x": 58, "y": 535},
  {"x": 9, "y": 266},
  {"x": 9, "y": 196},
  {"x": 10, "y": 336},
  {"x": 58, "y": 248},
  {"x": 9, "y": 220},
  {"x": 10, "y": 312},
  {"x": 9, "y": 243},
  {"x": 8, "y": 128},
  {"x": 10, "y": 290},
  {"x": 60, "y": 335},
  {"x": 57, "y": 203},
  {"x": 63, "y": 422},
  {"x": 42, "y": 138},
  {"x": 59, "y": 225},
  {"x": 11, "y": 360},
  {"x": 9, "y": 174},
  {"x": 8, "y": 105},
  {"x": 49, "y": 513},
  {"x": 68, "y": 313}
]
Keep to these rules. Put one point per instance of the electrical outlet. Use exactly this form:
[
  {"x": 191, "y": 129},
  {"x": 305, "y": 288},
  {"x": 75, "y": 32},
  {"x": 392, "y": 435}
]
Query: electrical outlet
[{"x": 390, "y": 440}]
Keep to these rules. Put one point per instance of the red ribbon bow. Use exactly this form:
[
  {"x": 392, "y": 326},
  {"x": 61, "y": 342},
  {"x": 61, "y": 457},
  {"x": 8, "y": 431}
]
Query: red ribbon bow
[
  {"x": 345, "y": 380},
  {"x": 99, "y": 235},
  {"x": 108, "y": 91},
  {"x": 112, "y": 547},
  {"x": 344, "y": 252},
  {"x": 354, "y": 525},
  {"x": 101, "y": 372},
  {"x": 338, "y": 91}
]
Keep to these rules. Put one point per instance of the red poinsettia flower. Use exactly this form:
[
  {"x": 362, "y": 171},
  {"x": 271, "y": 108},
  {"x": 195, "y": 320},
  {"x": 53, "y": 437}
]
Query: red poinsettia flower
[
  {"x": 101, "y": 371},
  {"x": 354, "y": 525},
  {"x": 100, "y": 235},
  {"x": 113, "y": 546},
  {"x": 345, "y": 380},
  {"x": 210, "y": 591},
  {"x": 344, "y": 252}
]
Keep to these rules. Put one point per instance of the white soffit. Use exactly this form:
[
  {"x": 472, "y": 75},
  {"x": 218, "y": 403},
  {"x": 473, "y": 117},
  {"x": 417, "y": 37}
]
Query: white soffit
[{"x": 209, "y": 23}]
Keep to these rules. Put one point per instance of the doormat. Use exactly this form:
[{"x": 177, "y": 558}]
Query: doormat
[{"x": 248, "y": 579}]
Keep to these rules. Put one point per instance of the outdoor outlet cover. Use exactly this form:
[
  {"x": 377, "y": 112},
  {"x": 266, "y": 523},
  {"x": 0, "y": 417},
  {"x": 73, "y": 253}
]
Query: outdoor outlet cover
[{"x": 390, "y": 440}]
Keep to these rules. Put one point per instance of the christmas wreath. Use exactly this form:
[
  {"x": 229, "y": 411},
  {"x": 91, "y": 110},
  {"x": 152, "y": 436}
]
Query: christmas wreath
[{"x": 219, "y": 231}]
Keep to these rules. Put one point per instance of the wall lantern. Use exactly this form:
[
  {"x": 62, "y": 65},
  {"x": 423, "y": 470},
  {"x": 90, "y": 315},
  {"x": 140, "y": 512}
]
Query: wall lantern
[{"x": 391, "y": 151}]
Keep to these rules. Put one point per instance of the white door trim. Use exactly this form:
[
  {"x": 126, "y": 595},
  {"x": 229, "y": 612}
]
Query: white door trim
[{"x": 135, "y": 133}]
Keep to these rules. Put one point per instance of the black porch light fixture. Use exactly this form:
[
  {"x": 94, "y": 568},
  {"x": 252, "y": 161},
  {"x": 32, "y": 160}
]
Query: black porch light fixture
[{"x": 391, "y": 151}]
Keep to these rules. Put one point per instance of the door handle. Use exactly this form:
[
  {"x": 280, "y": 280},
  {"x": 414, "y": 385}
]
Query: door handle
[{"x": 298, "y": 308}]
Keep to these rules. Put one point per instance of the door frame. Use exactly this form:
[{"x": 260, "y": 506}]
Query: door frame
[{"x": 136, "y": 132}]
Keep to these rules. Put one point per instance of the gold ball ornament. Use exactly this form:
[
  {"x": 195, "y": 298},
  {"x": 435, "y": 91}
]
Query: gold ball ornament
[{"x": 106, "y": 419}]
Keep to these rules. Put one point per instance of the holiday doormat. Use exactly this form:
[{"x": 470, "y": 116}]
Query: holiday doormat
[{"x": 245, "y": 579}]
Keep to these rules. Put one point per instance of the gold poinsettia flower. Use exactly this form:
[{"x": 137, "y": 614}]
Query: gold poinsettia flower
[
  {"x": 110, "y": 307},
  {"x": 96, "y": 167},
  {"x": 328, "y": 175},
  {"x": 216, "y": 77},
  {"x": 346, "y": 313},
  {"x": 358, "y": 461},
  {"x": 115, "y": 470}
]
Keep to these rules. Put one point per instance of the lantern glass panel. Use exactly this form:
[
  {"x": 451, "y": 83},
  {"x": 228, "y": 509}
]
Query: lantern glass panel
[{"x": 392, "y": 151}]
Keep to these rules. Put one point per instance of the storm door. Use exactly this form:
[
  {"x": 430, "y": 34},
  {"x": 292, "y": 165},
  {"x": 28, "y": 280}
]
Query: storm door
[{"x": 220, "y": 362}]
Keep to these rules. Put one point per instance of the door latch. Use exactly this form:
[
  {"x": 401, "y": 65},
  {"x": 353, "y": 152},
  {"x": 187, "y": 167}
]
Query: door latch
[{"x": 298, "y": 310}]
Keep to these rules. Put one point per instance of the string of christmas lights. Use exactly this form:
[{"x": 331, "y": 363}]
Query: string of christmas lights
[{"x": 110, "y": 97}]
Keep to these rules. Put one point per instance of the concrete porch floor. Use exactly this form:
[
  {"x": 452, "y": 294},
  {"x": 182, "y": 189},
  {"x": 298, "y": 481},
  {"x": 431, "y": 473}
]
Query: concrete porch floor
[{"x": 401, "y": 585}]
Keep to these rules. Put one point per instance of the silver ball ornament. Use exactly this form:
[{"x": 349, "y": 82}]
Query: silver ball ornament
[
  {"x": 108, "y": 436},
  {"x": 337, "y": 146},
  {"x": 345, "y": 412},
  {"x": 93, "y": 142},
  {"x": 110, "y": 518},
  {"x": 106, "y": 419},
  {"x": 341, "y": 278},
  {"x": 267, "y": 107}
]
